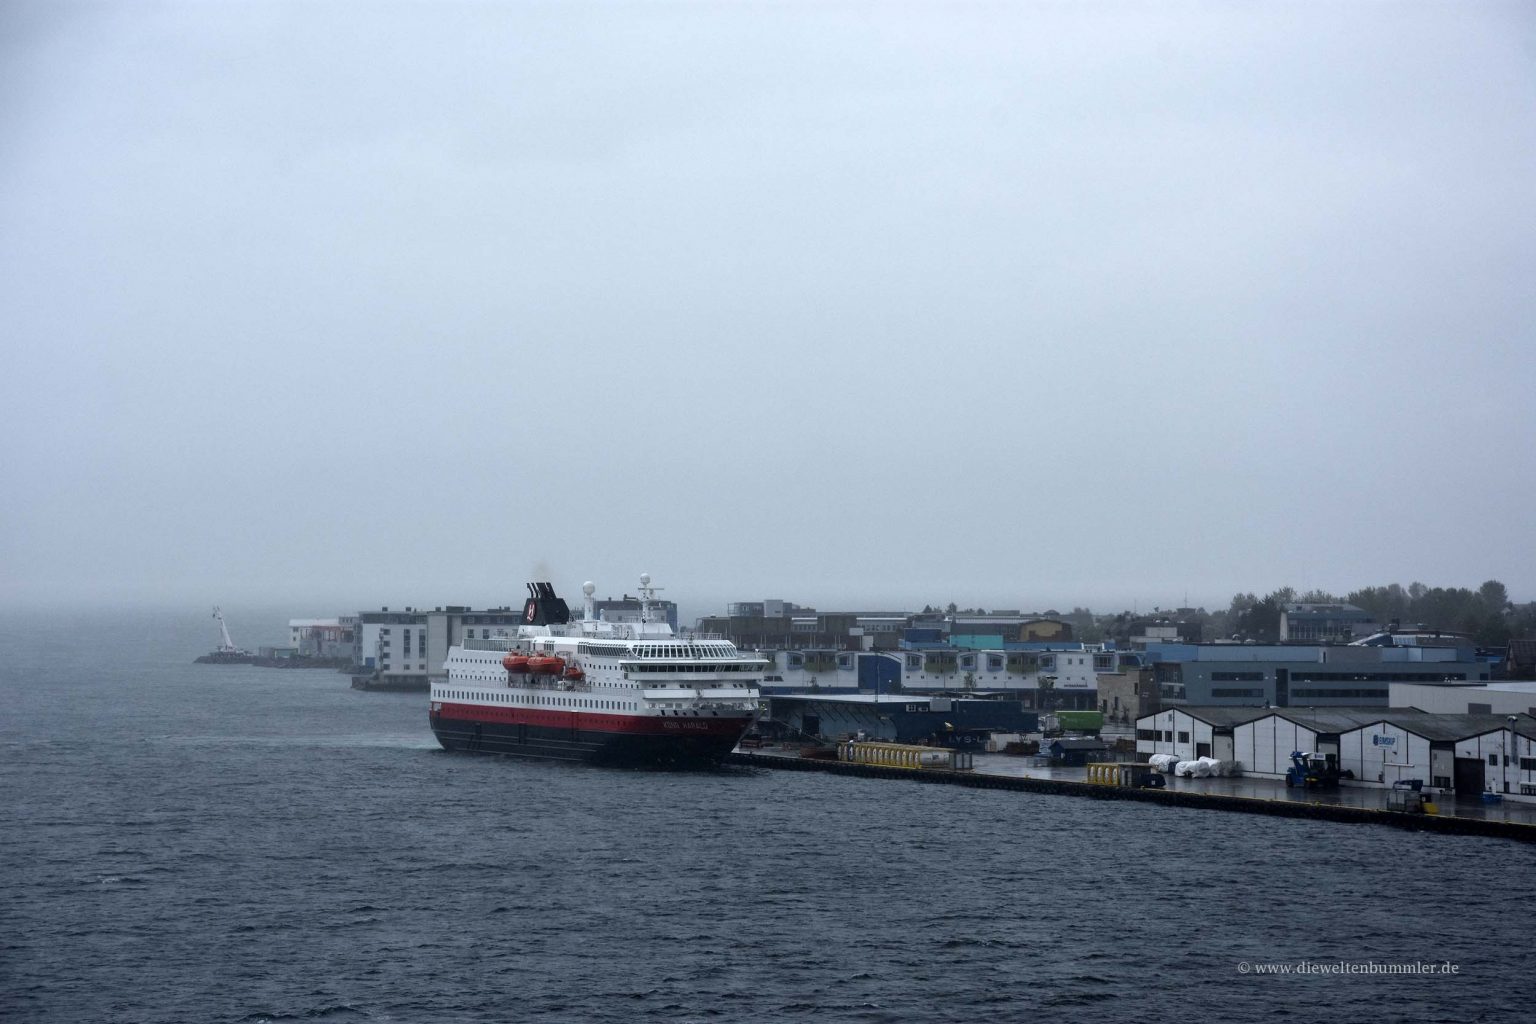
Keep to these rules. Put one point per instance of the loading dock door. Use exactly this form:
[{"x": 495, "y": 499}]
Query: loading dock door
[
  {"x": 1469, "y": 776},
  {"x": 810, "y": 725}
]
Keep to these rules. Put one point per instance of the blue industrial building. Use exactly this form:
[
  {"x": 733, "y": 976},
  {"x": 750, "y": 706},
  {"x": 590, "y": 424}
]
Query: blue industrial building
[{"x": 899, "y": 718}]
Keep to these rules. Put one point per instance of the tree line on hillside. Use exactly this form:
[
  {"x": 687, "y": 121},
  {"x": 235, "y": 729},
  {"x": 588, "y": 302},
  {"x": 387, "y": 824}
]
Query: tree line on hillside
[{"x": 1485, "y": 614}]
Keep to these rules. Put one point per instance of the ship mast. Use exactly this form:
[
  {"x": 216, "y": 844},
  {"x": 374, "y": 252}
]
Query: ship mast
[{"x": 647, "y": 595}]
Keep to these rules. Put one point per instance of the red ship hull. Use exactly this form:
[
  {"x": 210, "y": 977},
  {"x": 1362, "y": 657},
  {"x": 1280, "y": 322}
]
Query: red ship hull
[{"x": 701, "y": 740}]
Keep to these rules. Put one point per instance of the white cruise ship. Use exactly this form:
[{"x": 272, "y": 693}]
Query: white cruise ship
[{"x": 626, "y": 693}]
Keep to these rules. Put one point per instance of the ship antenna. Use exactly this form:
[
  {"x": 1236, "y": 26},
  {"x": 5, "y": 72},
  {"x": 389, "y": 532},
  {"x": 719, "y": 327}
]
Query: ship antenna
[
  {"x": 588, "y": 589},
  {"x": 647, "y": 595}
]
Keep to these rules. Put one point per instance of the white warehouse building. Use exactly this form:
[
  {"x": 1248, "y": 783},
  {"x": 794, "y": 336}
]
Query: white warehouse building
[
  {"x": 1500, "y": 698},
  {"x": 1465, "y": 754},
  {"x": 1193, "y": 732}
]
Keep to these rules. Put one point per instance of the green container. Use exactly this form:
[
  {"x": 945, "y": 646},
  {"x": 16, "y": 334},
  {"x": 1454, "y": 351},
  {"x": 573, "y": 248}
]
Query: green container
[{"x": 1080, "y": 721}]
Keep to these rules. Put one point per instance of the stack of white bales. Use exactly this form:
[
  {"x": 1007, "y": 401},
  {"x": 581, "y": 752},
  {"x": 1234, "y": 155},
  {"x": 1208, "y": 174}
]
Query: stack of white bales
[{"x": 1205, "y": 767}]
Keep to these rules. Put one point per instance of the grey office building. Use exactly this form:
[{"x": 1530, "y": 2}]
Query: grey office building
[{"x": 1287, "y": 675}]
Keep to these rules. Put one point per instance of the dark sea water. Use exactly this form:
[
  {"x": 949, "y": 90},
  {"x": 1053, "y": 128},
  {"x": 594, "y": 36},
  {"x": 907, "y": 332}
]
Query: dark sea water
[{"x": 211, "y": 843}]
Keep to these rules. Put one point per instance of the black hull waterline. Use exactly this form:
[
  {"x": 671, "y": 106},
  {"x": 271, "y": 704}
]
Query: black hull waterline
[{"x": 646, "y": 750}]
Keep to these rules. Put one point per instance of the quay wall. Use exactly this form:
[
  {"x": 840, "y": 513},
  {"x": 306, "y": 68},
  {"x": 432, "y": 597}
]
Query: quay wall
[{"x": 1441, "y": 823}]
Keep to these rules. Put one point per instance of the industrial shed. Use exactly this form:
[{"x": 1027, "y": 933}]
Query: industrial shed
[
  {"x": 1508, "y": 757},
  {"x": 1192, "y": 732},
  {"x": 1263, "y": 745},
  {"x": 1470, "y": 754},
  {"x": 1467, "y": 754}
]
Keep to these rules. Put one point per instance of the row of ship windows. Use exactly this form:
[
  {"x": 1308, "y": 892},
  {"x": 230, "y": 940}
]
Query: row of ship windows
[
  {"x": 656, "y": 668},
  {"x": 543, "y": 701},
  {"x": 501, "y": 677},
  {"x": 685, "y": 651}
]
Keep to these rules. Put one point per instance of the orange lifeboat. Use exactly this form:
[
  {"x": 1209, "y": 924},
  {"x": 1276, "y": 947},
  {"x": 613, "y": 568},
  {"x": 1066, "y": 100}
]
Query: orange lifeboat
[
  {"x": 515, "y": 663},
  {"x": 574, "y": 672},
  {"x": 545, "y": 665}
]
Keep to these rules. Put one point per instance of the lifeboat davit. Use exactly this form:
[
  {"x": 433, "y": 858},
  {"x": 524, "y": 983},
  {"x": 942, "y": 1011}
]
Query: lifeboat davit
[
  {"x": 546, "y": 666},
  {"x": 574, "y": 672},
  {"x": 515, "y": 663}
]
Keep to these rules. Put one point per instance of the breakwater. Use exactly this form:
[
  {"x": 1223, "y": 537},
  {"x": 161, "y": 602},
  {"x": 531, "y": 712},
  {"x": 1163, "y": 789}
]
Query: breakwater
[{"x": 1442, "y": 823}]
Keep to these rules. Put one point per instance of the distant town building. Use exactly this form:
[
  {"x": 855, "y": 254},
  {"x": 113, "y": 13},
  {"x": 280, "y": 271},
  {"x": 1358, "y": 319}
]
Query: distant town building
[
  {"x": 1126, "y": 691},
  {"x": 1501, "y": 698},
  {"x": 324, "y": 638},
  {"x": 627, "y": 609},
  {"x": 1522, "y": 659},
  {"x": 406, "y": 649},
  {"x": 1138, "y": 633},
  {"x": 1296, "y": 675},
  {"x": 983, "y": 630},
  {"x": 1325, "y": 623},
  {"x": 392, "y": 648},
  {"x": 776, "y": 625}
]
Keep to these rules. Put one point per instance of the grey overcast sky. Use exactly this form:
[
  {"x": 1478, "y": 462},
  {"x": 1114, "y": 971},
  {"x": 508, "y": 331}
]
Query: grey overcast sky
[{"x": 1025, "y": 305}]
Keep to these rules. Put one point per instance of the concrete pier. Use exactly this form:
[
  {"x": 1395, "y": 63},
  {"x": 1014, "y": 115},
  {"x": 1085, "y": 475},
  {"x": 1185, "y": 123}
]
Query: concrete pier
[{"x": 1249, "y": 796}]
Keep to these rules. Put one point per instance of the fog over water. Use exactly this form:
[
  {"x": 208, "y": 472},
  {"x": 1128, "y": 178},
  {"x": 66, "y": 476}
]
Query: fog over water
[{"x": 1021, "y": 305}]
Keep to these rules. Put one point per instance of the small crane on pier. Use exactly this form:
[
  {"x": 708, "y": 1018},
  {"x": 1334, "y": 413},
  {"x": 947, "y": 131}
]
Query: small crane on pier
[{"x": 228, "y": 646}]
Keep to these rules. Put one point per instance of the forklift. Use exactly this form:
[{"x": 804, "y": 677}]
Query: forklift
[{"x": 1314, "y": 771}]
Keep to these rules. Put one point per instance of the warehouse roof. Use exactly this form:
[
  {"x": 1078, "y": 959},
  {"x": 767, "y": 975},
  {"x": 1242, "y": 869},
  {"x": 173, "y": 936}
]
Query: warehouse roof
[
  {"x": 1437, "y": 728},
  {"x": 1449, "y": 728},
  {"x": 1331, "y": 721},
  {"x": 1223, "y": 717}
]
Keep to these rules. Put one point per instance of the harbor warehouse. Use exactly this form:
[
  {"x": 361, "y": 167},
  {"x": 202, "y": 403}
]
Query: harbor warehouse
[
  {"x": 1192, "y": 732},
  {"x": 900, "y": 718}
]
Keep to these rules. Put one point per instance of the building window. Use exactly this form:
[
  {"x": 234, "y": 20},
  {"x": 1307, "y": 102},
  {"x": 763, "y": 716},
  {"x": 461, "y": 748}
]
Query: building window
[
  {"x": 1183, "y": 737},
  {"x": 1528, "y": 764},
  {"x": 1493, "y": 760}
]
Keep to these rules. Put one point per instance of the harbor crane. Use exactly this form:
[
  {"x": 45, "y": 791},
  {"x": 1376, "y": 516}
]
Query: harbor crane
[{"x": 228, "y": 646}]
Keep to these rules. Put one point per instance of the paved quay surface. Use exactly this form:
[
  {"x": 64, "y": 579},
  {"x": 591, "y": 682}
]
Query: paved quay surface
[
  {"x": 1370, "y": 797},
  {"x": 1245, "y": 787}
]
